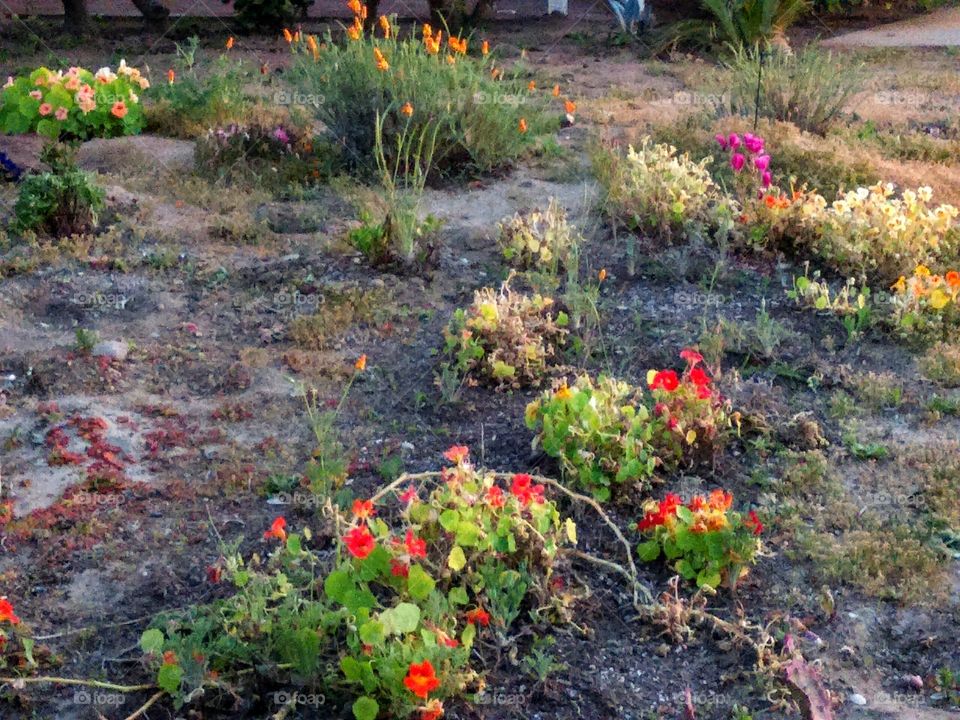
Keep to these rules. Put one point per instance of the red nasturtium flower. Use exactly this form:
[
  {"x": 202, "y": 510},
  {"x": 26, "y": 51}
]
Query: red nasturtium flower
[
  {"x": 170, "y": 658},
  {"x": 720, "y": 499},
  {"x": 421, "y": 679},
  {"x": 478, "y": 617},
  {"x": 665, "y": 380},
  {"x": 363, "y": 509},
  {"x": 6, "y": 612},
  {"x": 691, "y": 356},
  {"x": 457, "y": 454},
  {"x": 416, "y": 547},
  {"x": 666, "y": 509},
  {"x": 359, "y": 542},
  {"x": 524, "y": 489},
  {"x": 277, "y": 530},
  {"x": 699, "y": 377},
  {"x": 408, "y": 495},
  {"x": 753, "y": 522},
  {"x": 399, "y": 569}
]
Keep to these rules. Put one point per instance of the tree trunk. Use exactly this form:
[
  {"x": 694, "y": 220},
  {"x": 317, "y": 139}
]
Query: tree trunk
[
  {"x": 153, "y": 10},
  {"x": 75, "y": 18}
]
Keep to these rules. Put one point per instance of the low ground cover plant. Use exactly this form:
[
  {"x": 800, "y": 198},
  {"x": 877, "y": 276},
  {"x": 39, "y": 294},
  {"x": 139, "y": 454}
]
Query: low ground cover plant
[
  {"x": 704, "y": 539},
  {"x": 75, "y": 104},
  {"x": 610, "y": 436},
  {"x": 505, "y": 338},
  {"x": 392, "y": 626},
  {"x": 484, "y": 116},
  {"x": 925, "y": 304},
  {"x": 539, "y": 240}
]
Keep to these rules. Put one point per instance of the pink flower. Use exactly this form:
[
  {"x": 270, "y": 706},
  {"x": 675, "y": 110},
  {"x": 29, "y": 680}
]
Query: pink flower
[
  {"x": 46, "y": 109},
  {"x": 754, "y": 144},
  {"x": 721, "y": 140},
  {"x": 762, "y": 163},
  {"x": 737, "y": 162},
  {"x": 61, "y": 114},
  {"x": 734, "y": 141},
  {"x": 36, "y": 94},
  {"x": 766, "y": 178}
]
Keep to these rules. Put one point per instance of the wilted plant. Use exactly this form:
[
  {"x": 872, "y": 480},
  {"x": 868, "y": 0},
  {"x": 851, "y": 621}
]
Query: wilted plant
[
  {"x": 539, "y": 240},
  {"x": 925, "y": 305},
  {"x": 504, "y": 337}
]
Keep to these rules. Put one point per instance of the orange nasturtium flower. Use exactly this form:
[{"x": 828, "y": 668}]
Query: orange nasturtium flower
[
  {"x": 570, "y": 106},
  {"x": 523, "y": 125},
  {"x": 407, "y": 109},
  {"x": 277, "y": 530},
  {"x": 230, "y": 43},
  {"x": 363, "y": 509},
  {"x": 457, "y": 454},
  {"x": 421, "y": 679},
  {"x": 381, "y": 61},
  {"x": 361, "y": 364}
]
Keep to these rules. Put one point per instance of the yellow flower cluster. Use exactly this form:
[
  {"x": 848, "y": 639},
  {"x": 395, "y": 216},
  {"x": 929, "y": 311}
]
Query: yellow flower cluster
[
  {"x": 924, "y": 289},
  {"x": 870, "y": 229}
]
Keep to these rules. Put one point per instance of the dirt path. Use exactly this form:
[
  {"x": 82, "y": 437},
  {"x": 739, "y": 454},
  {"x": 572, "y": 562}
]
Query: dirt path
[{"x": 938, "y": 29}]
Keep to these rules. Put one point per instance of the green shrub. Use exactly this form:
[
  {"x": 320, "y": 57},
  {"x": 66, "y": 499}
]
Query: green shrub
[
  {"x": 404, "y": 85},
  {"x": 59, "y": 203},
  {"x": 539, "y": 240},
  {"x": 191, "y": 102},
  {"x": 272, "y": 15},
  {"x": 809, "y": 89}
]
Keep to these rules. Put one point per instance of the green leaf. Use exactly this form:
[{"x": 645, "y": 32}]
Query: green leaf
[
  {"x": 686, "y": 569},
  {"x": 351, "y": 669},
  {"x": 419, "y": 583},
  {"x": 372, "y": 632},
  {"x": 404, "y": 618},
  {"x": 684, "y": 514},
  {"x": 168, "y": 678},
  {"x": 458, "y": 596},
  {"x": 449, "y": 519},
  {"x": 293, "y": 545},
  {"x": 365, "y": 708},
  {"x": 337, "y": 585},
  {"x": 649, "y": 551},
  {"x": 468, "y": 635},
  {"x": 151, "y": 641},
  {"x": 709, "y": 578},
  {"x": 457, "y": 560},
  {"x": 467, "y": 534}
]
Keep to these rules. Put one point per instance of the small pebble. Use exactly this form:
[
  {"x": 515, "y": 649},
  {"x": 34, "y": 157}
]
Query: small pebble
[{"x": 858, "y": 699}]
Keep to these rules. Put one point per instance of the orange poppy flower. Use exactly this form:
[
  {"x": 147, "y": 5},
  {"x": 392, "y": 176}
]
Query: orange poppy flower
[
  {"x": 570, "y": 106},
  {"x": 356, "y": 30},
  {"x": 287, "y": 35},
  {"x": 380, "y": 60},
  {"x": 171, "y": 76},
  {"x": 385, "y": 26},
  {"x": 230, "y": 43},
  {"x": 361, "y": 363},
  {"x": 355, "y": 7},
  {"x": 522, "y": 125},
  {"x": 602, "y": 275},
  {"x": 485, "y": 47},
  {"x": 556, "y": 91},
  {"x": 427, "y": 30},
  {"x": 407, "y": 109},
  {"x": 531, "y": 86}
]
